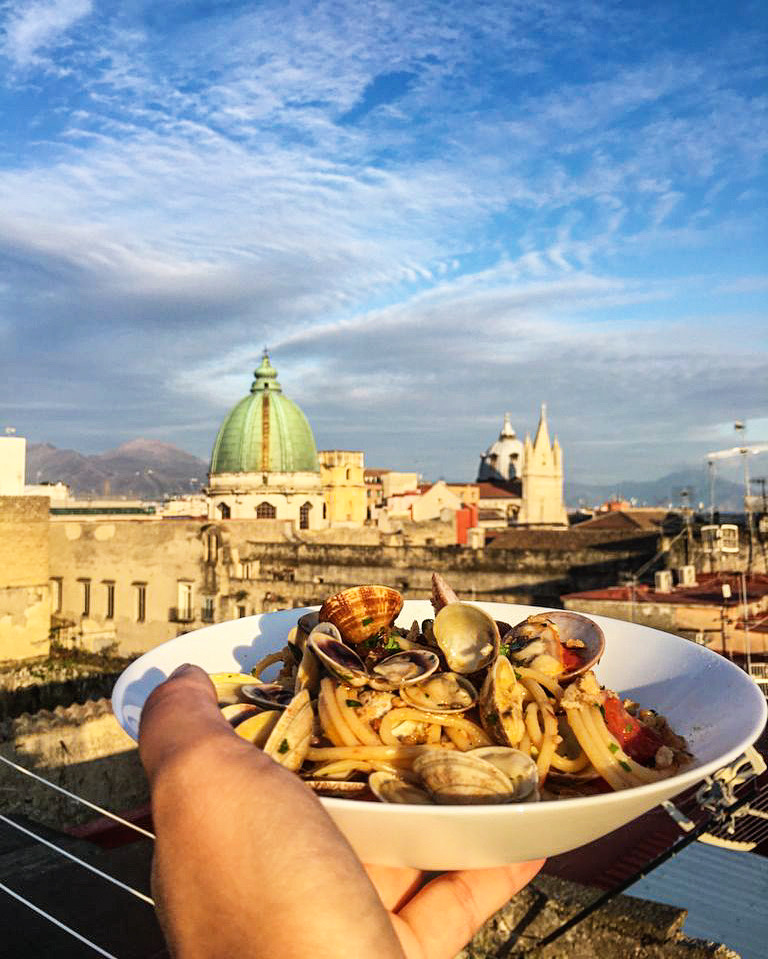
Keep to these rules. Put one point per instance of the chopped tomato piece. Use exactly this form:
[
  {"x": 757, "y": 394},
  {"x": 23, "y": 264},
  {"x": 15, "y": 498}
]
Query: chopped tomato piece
[
  {"x": 638, "y": 741},
  {"x": 571, "y": 658}
]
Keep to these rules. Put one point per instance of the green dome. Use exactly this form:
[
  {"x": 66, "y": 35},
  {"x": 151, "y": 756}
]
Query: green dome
[{"x": 265, "y": 432}]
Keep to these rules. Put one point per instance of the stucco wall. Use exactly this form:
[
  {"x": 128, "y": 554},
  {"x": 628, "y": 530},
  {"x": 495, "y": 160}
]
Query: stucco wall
[
  {"x": 246, "y": 575},
  {"x": 24, "y": 588},
  {"x": 80, "y": 748}
]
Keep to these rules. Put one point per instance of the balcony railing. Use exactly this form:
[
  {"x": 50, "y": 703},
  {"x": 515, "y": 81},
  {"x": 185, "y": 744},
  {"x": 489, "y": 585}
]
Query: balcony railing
[{"x": 181, "y": 614}]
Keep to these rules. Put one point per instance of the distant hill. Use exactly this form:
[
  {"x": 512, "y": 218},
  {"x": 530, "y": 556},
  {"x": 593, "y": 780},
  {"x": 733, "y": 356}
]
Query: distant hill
[
  {"x": 142, "y": 468},
  {"x": 729, "y": 497}
]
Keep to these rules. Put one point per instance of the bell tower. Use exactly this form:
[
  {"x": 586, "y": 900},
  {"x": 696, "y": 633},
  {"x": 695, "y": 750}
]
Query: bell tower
[{"x": 542, "y": 476}]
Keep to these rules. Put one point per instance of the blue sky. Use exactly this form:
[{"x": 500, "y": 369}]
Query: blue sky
[{"x": 432, "y": 213}]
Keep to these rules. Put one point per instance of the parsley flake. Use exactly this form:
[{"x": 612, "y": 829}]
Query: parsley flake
[
  {"x": 392, "y": 644},
  {"x": 517, "y": 675},
  {"x": 628, "y": 728},
  {"x": 625, "y": 766},
  {"x": 283, "y": 747},
  {"x": 504, "y": 649},
  {"x": 353, "y": 702},
  {"x": 368, "y": 620},
  {"x": 613, "y": 747}
]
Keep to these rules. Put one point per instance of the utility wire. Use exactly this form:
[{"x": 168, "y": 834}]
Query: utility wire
[
  {"x": 82, "y": 862},
  {"x": 56, "y": 922},
  {"x": 85, "y": 802}
]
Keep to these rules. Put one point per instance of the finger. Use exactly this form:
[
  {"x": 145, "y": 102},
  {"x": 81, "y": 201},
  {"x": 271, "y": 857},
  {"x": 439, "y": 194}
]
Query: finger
[
  {"x": 442, "y": 918},
  {"x": 394, "y": 885},
  {"x": 180, "y": 713}
]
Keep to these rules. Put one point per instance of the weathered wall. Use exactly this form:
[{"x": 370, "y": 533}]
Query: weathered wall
[
  {"x": 239, "y": 567},
  {"x": 25, "y": 606},
  {"x": 80, "y": 748}
]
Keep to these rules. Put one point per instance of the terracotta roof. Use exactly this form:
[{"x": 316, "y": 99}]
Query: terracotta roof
[
  {"x": 707, "y": 592},
  {"x": 626, "y": 519},
  {"x": 571, "y": 539},
  {"x": 499, "y": 490}
]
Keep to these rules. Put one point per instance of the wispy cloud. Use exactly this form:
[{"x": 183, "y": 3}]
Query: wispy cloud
[
  {"x": 434, "y": 208},
  {"x": 33, "y": 27}
]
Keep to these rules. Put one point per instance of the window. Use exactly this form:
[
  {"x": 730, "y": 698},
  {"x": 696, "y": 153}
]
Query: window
[
  {"x": 208, "y": 609},
  {"x": 141, "y": 602},
  {"x": 185, "y": 601},
  {"x": 224, "y": 511},
  {"x": 241, "y": 612},
  {"x": 266, "y": 511},
  {"x": 109, "y": 610},
  {"x": 304, "y": 516},
  {"x": 347, "y": 474},
  {"x": 57, "y": 594},
  {"x": 86, "y": 586},
  {"x": 211, "y": 551}
]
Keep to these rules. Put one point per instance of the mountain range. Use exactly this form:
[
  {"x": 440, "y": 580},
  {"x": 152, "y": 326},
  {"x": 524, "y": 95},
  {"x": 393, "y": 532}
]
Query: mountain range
[
  {"x": 147, "y": 469},
  {"x": 150, "y": 469}
]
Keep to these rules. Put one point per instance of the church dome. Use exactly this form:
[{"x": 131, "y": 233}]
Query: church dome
[
  {"x": 265, "y": 432},
  {"x": 503, "y": 460}
]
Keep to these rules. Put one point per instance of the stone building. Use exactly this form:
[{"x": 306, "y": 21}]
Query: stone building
[
  {"x": 522, "y": 483},
  {"x": 342, "y": 473},
  {"x": 25, "y": 603}
]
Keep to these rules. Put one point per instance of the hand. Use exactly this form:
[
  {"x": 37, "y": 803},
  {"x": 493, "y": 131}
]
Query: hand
[{"x": 248, "y": 863}]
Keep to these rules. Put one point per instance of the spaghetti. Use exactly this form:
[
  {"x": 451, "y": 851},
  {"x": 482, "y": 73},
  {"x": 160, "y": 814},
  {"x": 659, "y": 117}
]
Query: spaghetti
[{"x": 450, "y": 712}]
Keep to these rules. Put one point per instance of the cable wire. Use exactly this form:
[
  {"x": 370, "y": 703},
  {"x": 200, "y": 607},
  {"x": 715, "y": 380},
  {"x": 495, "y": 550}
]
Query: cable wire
[
  {"x": 56, "y": 922},
  {"x": 85, "y": 802},
  {"x": 82, "y": 862}
]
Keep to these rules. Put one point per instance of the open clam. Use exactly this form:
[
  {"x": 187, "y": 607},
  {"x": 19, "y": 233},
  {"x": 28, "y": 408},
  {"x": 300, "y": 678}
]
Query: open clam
[
  {"x": 326, "y": 643},
  {"x": 500, "y": 705},
  {"x": 454, "y": 777},
  {"x": 394, "y": 788},
  {"x": 467, "y": 637},
  {"x": 404, "y": 669},
  {"x": 444, "y": 693},
  {"x": 516, "y": 765},
  {"x": 560, "y": 643},
  {"x": 361, "y": 611}
]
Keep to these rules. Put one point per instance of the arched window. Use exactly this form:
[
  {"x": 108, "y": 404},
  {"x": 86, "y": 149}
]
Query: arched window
[
  {"x": 304, "y": 516},
  {"x": 348, "y": 474},
  {"x": 224, "y": 511},
  {"x": 266, "y": 511}
]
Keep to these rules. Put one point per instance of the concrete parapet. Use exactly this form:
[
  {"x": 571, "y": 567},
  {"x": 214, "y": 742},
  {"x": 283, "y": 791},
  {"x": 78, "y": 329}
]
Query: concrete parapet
[{"x": 624, "y": 928}]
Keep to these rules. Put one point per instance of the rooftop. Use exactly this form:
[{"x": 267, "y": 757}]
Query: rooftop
[{"x": 708, "y": 591}]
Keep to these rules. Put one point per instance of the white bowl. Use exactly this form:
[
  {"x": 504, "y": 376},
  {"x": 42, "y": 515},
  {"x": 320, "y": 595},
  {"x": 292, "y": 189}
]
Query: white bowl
[{"x": 707, "y": 699}]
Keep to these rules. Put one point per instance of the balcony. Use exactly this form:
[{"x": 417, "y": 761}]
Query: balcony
[{"x": 181, "y": 614}]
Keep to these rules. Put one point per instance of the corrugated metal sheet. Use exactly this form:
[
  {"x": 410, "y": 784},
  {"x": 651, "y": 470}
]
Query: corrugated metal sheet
[{"x": 725, "y": 893}]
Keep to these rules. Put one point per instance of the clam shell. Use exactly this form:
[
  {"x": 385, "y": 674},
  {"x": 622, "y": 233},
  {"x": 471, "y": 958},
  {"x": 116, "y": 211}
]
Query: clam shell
[
  {"x": 338, "y": 658},
  {"x": 404, "y": 668},
  {"x": 442, "y": 594},
  {"x": 467, "y": 637},
  {"x": 229, "y": 687},
  {"x": 455, "y": 778},
  {"x": 500, "y": 706},
  {"x": 237, "y": 713},
  {"x": 338, "y": 788},
  {"x": 539, "y": 639},
  {"x": 443, "y": 693},
  {"x": 389, "y": 787},
  {"x": 361, "y": 611},
  {"x": 516, "y": 765},
  {"x": 288, "y": 742}
]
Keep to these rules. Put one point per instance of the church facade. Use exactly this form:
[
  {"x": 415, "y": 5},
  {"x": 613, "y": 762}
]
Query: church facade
[{"x": 521, "y": 483}]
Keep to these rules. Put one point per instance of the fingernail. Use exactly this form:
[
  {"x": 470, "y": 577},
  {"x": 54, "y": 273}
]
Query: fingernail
[{"x": 180, "y": 670}]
